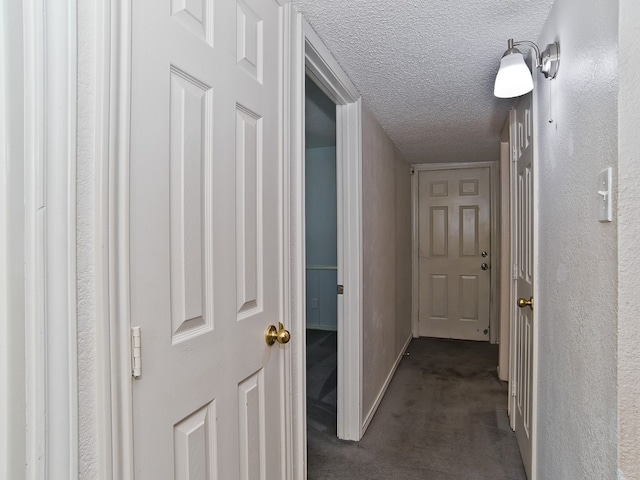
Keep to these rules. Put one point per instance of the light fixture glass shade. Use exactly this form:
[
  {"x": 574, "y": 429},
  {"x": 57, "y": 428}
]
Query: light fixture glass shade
[{"x": 514, "y": 78}]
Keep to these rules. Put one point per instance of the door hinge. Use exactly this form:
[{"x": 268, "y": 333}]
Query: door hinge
[
  {"x": 340, "y": 289},
  {"x": 136, "y": 352},
  {"x": 514, "y": 154},
  {"x": 413, "y": 171},
  {"x": 514, "y": 389},
  {"x": 514, "y": 274}
]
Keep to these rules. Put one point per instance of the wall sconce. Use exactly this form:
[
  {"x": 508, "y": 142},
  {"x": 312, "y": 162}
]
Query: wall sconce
[{"x": 514, "y": 78}]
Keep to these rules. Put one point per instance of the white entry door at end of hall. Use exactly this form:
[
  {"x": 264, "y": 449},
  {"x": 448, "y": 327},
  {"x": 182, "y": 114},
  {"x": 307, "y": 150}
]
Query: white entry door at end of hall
[
  {"x": 205, "y": 229},
  {"x": 454, "y": 252}
]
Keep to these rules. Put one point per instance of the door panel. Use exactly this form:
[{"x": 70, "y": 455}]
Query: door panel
[
  {"x": 205, "y": 250},
  {"x": 523, "y": 328},
  {"x": 454, "y": 229}
]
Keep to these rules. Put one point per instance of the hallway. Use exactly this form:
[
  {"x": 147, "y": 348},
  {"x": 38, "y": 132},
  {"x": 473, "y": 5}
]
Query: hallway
[{"x": 443, "y": 417}]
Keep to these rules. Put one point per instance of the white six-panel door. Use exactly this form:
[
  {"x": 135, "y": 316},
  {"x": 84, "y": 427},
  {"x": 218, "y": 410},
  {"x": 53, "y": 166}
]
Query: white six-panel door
[
  {"x": 523, "y": 330},
  {"x": 205, "y": 230},
  {"x": 454, "y": 241}
]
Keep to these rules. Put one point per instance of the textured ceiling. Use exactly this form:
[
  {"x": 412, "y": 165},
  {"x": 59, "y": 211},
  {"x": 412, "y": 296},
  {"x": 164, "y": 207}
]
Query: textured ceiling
[{"x": 426, "y": 67}]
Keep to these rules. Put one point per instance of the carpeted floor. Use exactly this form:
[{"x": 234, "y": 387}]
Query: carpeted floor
[
  {"x": 444, "y": 417},
  {"x": 322, "y": 380}
]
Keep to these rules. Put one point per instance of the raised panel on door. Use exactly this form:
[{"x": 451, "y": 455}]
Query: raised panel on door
[
  {"x": 205, "y": 249},
  {"x": 191, "y": 148},
  {"x": 248, "y": 212},
  {"x": 195, "y": 438},
  {"x": 251, "y": 425},
  {"x": 453, "y": 231}
]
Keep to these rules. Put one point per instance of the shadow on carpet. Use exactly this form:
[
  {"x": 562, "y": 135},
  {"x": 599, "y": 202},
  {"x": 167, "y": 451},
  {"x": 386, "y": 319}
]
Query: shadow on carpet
[{"x": 444, "y": 417}]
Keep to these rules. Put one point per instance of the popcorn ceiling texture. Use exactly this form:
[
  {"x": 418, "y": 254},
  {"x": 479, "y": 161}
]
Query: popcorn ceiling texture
[{"x": 427, "y": 68}]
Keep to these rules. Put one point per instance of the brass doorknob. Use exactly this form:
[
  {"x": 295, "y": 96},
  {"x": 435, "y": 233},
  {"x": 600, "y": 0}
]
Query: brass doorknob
[
  {"x": 522, "y": 302},
  {"x": 279, "y": 334}
]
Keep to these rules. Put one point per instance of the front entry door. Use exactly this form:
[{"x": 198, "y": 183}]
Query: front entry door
[
  {"x": 205, "y": 228},
  {"x": 454, "y": 251},
  {"x": 523, "y": 330}
]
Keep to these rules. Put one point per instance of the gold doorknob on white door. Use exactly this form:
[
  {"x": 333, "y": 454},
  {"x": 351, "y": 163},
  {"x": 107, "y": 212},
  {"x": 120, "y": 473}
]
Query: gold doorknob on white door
[
  {"x": 523, "y": 302},
  {"x": 277, "y": 334}
]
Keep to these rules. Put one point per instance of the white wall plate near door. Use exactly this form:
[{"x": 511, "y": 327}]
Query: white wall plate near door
[{"x": 604, "y": 195}]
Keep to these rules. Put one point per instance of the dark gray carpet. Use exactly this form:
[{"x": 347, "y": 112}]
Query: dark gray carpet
[
  {"x": 322, "y": 380},
  {"x": 444, "y": 417}
]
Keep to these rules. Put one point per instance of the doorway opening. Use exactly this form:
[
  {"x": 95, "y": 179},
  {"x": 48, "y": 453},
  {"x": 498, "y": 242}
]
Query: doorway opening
[
  {"x": 309, "y": 57},
  {"x": 321, "y": 262}
]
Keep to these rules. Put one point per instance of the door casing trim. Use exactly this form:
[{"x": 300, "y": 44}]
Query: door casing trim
[
  {"x": 50, "y": 274},
  {"x": 113, "y": 106},
  {"x": 305, "y": 53}
]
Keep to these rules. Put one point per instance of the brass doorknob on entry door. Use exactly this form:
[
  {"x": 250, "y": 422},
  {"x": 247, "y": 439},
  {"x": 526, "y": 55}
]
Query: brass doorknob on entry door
[
  {"x": 279, "y": 334},
  {"x": 523, "y": 302}
]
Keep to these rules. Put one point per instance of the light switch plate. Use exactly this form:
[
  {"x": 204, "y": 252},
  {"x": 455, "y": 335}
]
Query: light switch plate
[{"x": 605, "y": 193}]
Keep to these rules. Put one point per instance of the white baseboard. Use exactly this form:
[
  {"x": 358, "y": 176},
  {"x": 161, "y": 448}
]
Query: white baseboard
[{"x": 383, "y": 390}]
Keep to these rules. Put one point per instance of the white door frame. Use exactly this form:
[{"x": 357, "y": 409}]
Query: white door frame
[
  {"x": 325, "y": 71},
  {"x": 48, "y": 169},
  {"x": 306, "y": 53},
  {"x": 113, "y": 342},
  {"x": 513, "y": 236},
  {"x": 506, "y": 281},
  {"x": 494, "y": 321}
]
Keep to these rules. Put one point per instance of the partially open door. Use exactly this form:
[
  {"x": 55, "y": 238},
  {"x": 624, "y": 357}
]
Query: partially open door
[
  {"x": 522, "y": 373},
  {"x": 205, "y": 240}
]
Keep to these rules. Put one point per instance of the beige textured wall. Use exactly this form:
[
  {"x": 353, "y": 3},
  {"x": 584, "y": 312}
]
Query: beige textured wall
[
  {"x": 628, "y": 239},
  {"x": 386, "y": 237},
  {"x": 577, "y": 259}
]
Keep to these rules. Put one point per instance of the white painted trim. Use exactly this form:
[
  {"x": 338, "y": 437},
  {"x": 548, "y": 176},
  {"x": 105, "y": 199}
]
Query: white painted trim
[
  {"x": 294, "y": 253},
  {"x": 323, "y": 68},
  {"x": 60, "y": 43},
  {"x": 6, "y": 340},
  {"x": 50, "y": 64},
  {"x": 504, "y": 293},
  {"x": 415, "y": 269},
  {"x": 12, "y": 304},
  {"x": 350, "y": 377},
  {"x": 513, "y": 201},
  {"x": 384, "y": 388},
  {"x": 305, "y": 52},
  {"x": 494, "y": 317},
  {"x": 34, "y": 99},
  {"x": 286, "y": 450},
  {"x": 536, "y": 280},
  {"x": 115, "y": 422}
]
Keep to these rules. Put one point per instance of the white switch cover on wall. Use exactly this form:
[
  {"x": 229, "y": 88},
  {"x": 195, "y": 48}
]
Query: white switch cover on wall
[{"x": 604, "y": 196}]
